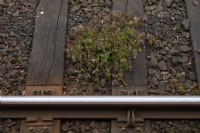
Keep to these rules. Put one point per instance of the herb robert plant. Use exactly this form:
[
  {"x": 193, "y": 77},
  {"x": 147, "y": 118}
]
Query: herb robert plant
[{"x": 104, "y": 49}]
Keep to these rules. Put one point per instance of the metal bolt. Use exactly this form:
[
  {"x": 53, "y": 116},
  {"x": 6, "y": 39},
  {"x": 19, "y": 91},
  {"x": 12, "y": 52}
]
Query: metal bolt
[
  {"x": 123, "y": 129},
  {"x": 31, "y": 129},
  {"x": 138, "y": 130},
  {"x": 45, "y": 130},
  {"x": 49, "y": 92}
]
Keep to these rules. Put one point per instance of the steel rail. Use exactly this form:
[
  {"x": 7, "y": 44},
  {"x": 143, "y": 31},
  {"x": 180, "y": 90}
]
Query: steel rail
[
  {"x": 101, "y": 107},
  {"x": 136, "y": 101}
]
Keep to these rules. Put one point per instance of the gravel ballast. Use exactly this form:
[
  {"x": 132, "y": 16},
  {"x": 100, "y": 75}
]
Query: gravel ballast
[
  {"x": 9, "y": 126},
  {"x": 170, "y": 63},
  {"x": 182, "y": 126},
  {"x": 85, "y": 126},
  {"x": 17, "y": 19}
]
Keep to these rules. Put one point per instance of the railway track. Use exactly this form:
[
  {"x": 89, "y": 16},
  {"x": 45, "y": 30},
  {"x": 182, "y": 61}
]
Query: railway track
[
  {"x": 43, "y": 106},
  {"x": 130, "y": 111}
]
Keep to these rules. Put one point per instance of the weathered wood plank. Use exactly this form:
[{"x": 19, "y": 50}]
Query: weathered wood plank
[
  {"x": 135, "y": 9},
  {"x": 193, "y": 13},
  {"x": 47, "y": 58},
  {"x": 120, "y": 5}
]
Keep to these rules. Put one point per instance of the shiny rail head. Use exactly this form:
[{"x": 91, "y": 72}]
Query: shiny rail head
[{"x": 101, "y": 100}]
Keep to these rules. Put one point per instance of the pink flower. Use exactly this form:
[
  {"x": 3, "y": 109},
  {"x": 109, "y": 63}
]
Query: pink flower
[{"x": 142, "y": 41}]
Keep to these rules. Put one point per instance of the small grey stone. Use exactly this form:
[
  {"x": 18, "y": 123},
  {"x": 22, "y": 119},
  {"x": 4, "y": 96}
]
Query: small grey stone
[
  {"x": 160, "y": 8},
  {"x": 23, "y": 73},
  {"x": 185, "y": 48},
  {"x": 176, "y": 59},
  {"x": 163, "y": 52},
  {"x": 153, "y": 91},
  {"x": 192, "y": 76},
  {"x": 15, "y": 14},
  {"x": 182, "y": 78},
  {"x": 101, "y": 3},
  {"x": 195, "y": 2},
  {"x": 153, "y": 62},
  {"x": 166, "y": 76},
  {"x": 173, "y": 72},
  {"x": 21, "y": 78},
  {"x": 173, "y": 51},
  {"x": 103, "y": 125},
  {"x": 152, "y": 85},
  {"x": 168, "y": 2},
  {"x": 1, "y": 2},
  {"x": 5, "y": 84},
  {"x": 82, "y": 128},
  {"x": 186, "y": 24},
  {"x": 163, "y": 125},
  {"x": 75, "y": 8},
  {"x": 14, "y": 73},
  {"x": 9, "y": 65},
  {"x": 87, "y": 128},
  {"x": 187, "y": 35},
  {"x": 186, "y": 129},
  {"x": 72, "y": 71},
  {"x": 162, "y": 65},
  {"x": 195, "y": 129},
  {"x": 149, "y": 2},
  {"x": 158, "y": 57},
  {"x": 175, "y": 41},
  {"x": 2, "y": 69},
  {"x": 167, "y": 88},
  {"x": 12, "y": 33},
  {"x": 92, "y": 124},
  {"x": 151, "y": 71},
  {"x": 167, "y": 129},
  {"x": 192, "y": 124},
  {"x": 161, "y": 86},
  {"x": 154, "y": 131},
  {"x": 154, "y": 81},
  {"x": 96, "y": 1},
  {"x": 184, "y": 60},
  {"x": 108, "y": 3},
  {"x": 95, "y": 131}
]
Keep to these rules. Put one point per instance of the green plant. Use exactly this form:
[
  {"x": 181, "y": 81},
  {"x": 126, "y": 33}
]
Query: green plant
[
  {"x": 182, "y": 89},
  {"x": 104, "y": 49},
  {"x": 177, "y": 87}
]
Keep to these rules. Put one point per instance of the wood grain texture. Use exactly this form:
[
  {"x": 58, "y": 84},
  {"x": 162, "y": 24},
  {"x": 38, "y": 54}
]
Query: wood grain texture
[
  {"x": 120, "y": 5},
  {"x": 138, "y": 75},
  {"x": 193, "y": 13},
  {"x": 47, "y": 57},
  {"x": 135, "y": 9}
]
